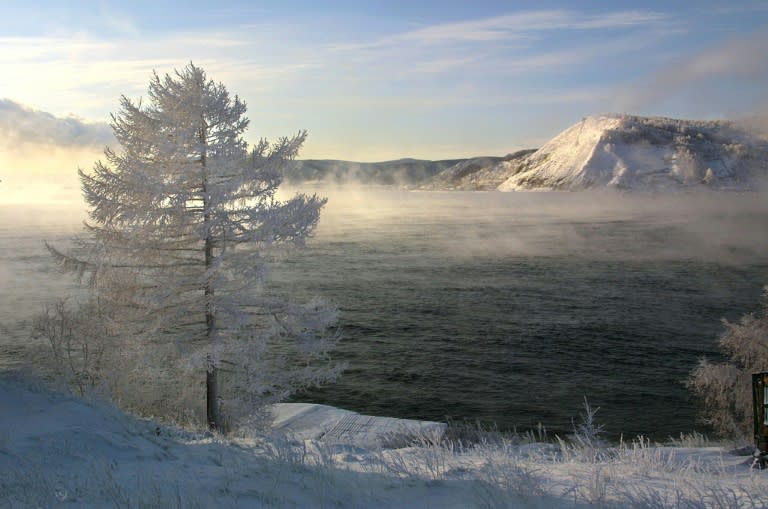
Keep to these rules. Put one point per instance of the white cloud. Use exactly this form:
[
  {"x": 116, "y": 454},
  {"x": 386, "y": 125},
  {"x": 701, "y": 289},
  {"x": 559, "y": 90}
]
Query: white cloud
[
  {"x": 509, "y": 27},
  {"x": 513, "y": 62},
  {"x": 500, "y": 46},
  {"x": 20, "y": 125},
  {"x": 85, "y": 74}
]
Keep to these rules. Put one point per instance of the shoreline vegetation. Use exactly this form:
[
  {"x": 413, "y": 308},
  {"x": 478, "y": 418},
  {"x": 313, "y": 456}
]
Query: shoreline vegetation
[{"x": 60, "y": 449}]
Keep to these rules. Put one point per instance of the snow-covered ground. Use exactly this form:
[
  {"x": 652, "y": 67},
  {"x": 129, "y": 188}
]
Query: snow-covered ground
[{"x": 60, "y": 451}]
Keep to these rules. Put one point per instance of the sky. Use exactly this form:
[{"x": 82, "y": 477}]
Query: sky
[{"x": 375, "y": 80}]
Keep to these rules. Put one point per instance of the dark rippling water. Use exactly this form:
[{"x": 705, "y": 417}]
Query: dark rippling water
[{"x": 510, "y": 308}]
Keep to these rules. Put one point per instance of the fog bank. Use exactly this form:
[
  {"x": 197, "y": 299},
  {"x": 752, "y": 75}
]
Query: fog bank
[{"x": 722, "y": 227}]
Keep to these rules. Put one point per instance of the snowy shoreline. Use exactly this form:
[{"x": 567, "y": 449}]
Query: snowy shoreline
[{"x": 59, "y": 450}]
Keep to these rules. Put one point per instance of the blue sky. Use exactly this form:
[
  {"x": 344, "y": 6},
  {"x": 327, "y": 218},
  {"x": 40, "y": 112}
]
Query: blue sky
[{"x": 383, "y": 80}]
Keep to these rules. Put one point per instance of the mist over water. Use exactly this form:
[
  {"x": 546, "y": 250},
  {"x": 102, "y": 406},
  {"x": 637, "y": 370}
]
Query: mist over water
[
  {"x": 510, "y": 308},
  {"x": 28, "y": 277},
  {"x": 503, "y": 307}
]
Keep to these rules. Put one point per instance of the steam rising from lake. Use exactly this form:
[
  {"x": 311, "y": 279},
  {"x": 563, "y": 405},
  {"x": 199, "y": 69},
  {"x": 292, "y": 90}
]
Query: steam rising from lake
[
  {"x": 510, "y": 307},
  {"x": 723, "y": 227}
]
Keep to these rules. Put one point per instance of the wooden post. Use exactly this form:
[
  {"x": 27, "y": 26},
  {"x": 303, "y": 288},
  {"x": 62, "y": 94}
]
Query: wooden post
[{"x": 760, "y": 417}]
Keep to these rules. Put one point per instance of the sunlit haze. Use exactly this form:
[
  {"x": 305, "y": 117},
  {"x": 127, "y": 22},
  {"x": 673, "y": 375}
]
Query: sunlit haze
[{"x": 370, "y": 81}]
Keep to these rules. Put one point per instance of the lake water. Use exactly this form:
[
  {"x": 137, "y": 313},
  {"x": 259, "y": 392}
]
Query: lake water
[{"x": 503, "y": 307}]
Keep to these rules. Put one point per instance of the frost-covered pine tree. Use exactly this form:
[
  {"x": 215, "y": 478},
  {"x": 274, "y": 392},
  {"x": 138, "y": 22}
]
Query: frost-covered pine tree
[{"x": 183, "y": 221}]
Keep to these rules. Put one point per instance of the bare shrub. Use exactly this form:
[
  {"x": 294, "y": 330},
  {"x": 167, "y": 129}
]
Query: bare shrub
[{"x": 77, "y": 343}]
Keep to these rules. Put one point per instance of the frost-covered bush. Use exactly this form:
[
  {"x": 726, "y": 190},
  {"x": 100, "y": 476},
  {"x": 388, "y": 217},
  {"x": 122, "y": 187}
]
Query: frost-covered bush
[
  {"x": 726, "y": 387},
  {"x": 588, "y": 432}
]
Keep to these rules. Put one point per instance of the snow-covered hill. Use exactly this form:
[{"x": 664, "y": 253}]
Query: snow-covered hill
[{"x": 647, "y": 153}]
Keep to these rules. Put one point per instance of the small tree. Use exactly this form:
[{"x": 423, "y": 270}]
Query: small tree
[
  {"x": 182, "y": 224},
  {"x": 726, "y": 387}
]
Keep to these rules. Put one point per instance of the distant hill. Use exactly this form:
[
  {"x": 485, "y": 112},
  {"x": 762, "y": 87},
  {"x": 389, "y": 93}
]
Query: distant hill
[
  {"x": 615, "y": 151},
  {"x": 479, "y": 173},
  {"x": 403, "y": 172},
  {"x": 649, "y": 153}
]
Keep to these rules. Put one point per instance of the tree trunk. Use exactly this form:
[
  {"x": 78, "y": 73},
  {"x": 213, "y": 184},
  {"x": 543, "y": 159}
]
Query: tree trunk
[
  {"x": 212, "y": 374},
  {"x": 213, "y": 410},
  {"x": 212, "y": 397},
  {"x": 213, "y": 413}
]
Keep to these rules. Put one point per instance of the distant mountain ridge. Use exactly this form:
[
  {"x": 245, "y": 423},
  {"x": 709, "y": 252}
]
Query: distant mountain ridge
[{"x": 618, "y": 151}]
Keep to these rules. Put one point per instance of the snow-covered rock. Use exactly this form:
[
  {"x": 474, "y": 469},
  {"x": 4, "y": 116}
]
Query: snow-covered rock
[
  {"x": 646, "y": 153},
  {"x": 310, "y": 421}
]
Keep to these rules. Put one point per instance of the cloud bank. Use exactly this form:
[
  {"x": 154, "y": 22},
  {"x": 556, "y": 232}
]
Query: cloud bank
[
  {"x": 20, "y": 125},
  {"x": 41, "y": 152}
]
